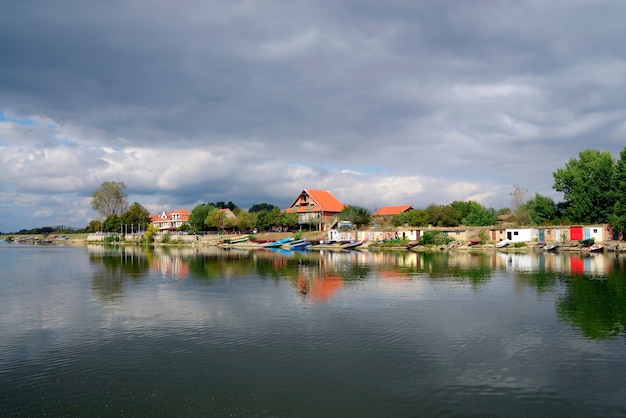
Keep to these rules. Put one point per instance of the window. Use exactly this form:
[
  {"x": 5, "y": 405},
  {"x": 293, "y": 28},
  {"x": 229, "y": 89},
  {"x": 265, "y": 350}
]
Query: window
[{"x": 515, "y": 232}]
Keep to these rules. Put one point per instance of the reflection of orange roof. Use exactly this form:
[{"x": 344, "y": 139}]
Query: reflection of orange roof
[
  {"x": 391, "y": 210},
  {"x": 320, "y": 201},
  {"x": 325, "y": 288},
  {"x": 394, "y": 276}
]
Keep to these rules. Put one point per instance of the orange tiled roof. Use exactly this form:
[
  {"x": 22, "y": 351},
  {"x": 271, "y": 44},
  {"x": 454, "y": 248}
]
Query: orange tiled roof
[
  {"x": 320, "y": 201},
  {"x": 167, "y": 216},
  {"x": 180, "y": 211},
  {"x": 391, "y": 210}
]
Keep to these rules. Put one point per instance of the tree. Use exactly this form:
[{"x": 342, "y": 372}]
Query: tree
[
  {"x": 262, "y": 207},
  {"x": 110, "y": 199},
  {"x": 94, "y": 226},
  {"x": 136, "y": 215},
  {"x": 439, "y": 215},
  {"x": 245, "y": 221},
  {"x": 288, "y": 219},
  {"x": 198, "y": 216},
  {"x": 478, "y": 215},
  {"x": 541, "y": 209},
  {"x": 221, "y": 205},
  {"x": 359, "y": 216},
  {"x": 216, "y": 219},
  {"x": 462, "y": 209},
  {"x": 587, "y": 185},
  {"x": 413, "y": 217},
  {"x": 519, "y": 197},
  {"x": 618, "y": 215},
  {"x": 112, "y": 223}
]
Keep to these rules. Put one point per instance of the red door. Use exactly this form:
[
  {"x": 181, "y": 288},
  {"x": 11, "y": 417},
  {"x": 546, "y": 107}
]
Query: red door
[{"x": 576, "y": 233}]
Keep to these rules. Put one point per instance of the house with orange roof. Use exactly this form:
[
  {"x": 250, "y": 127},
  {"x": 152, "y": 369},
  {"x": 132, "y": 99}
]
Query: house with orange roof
[
  {"x": 316, "y": 207},
  {"x": 170, "y": 221},
  {"x": 388, "y": 212}
]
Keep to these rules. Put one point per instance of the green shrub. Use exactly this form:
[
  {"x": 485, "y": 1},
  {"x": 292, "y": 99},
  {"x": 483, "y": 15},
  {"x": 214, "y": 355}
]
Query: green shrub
[
  {"x": 166, "y": 238},
  {"x": 112, "y": 238},
  {"x": 434, "y": 238}
]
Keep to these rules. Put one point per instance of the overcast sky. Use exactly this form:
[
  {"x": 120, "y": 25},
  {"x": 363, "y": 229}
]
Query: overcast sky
[{"x": 381, "y": 102}]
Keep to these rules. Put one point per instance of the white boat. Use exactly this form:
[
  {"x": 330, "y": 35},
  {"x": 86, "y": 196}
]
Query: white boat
[{"x": 503, "y": 243}]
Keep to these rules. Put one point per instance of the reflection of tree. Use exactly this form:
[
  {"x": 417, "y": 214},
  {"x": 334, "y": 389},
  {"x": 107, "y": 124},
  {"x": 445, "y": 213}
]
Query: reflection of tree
[
  {"x": 476, "y": 267},
  {"x": 541, "y": 280},
  {"x": 596, "y": 307},
  {"x": 223, "y": 264},
  {"x": 115, "y": 265}
]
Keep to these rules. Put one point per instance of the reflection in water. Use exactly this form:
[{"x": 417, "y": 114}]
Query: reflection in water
[
  {"x": 210, "y": 332},
  {"x": 114, "y": 265},
  {"x": 594, "y": 301}
]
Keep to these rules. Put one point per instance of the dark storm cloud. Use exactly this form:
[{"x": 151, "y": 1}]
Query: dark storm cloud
[{"x": 380, "y": 102}]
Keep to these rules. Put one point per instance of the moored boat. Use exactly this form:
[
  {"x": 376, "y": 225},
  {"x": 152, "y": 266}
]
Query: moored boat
[
  {"x": 237, "y": 240},
  {"x": 279, "y": 243},
  {"x": 596, "y": 248},
  {"x": 352, "y": 244},
  {"x": 303, "y": 243}
]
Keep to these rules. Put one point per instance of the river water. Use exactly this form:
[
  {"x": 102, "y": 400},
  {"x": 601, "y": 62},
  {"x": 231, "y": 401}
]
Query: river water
[{"x": 96, "y": 331}]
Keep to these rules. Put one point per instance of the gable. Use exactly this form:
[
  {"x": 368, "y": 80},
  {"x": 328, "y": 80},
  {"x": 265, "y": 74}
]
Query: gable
[{"x": 315, "y": 201}]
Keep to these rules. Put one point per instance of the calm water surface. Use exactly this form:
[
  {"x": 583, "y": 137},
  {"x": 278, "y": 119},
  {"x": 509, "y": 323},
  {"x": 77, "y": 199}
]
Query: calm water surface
[{"x": 91, "y": 331}]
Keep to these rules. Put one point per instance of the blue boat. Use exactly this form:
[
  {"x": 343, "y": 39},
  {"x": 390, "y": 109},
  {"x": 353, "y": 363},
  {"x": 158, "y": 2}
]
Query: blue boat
[
  {"x": 279, "y": 243},
  {"x": 300, "y": 244}
]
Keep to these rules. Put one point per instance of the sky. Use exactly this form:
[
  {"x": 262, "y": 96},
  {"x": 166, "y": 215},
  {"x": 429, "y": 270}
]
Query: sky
[{"x": 380, "y": 102}]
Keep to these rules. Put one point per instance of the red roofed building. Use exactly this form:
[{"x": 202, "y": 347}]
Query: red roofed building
[
  {"x": 169, "y": 221},
  {"x": 390, "y": 211},
  {"x": 316, "y": 207}
]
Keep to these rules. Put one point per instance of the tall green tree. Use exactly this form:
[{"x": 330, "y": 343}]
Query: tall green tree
[
  {"x": 478, "y": 215},
  {"x": 462, "y": 209},
  {"x": 440, "y": 215},
  {"x": 541, "y": 210},
  {"x": 587, "y": 186},
  {"x": 198, "y": 216},
  {"x": 618, "y": 216},
  {"x": 136, "y": 215},
  {"x": 110, "y": 199}
]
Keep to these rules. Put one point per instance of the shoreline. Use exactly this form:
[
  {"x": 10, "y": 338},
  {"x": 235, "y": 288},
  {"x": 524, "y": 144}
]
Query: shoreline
[{"x": 218, "y": 241}]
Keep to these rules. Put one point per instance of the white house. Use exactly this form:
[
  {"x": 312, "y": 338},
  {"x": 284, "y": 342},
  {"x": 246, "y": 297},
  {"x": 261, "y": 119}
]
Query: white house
[{"x": 521, "y": 234}]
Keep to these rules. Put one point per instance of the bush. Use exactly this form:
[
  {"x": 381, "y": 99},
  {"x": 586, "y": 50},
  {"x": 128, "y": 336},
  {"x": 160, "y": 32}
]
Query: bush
[
  {"x": 112, "y": 238},
  {"x": 166, "y": 238},
  {"x": 434, "y": 238}
]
